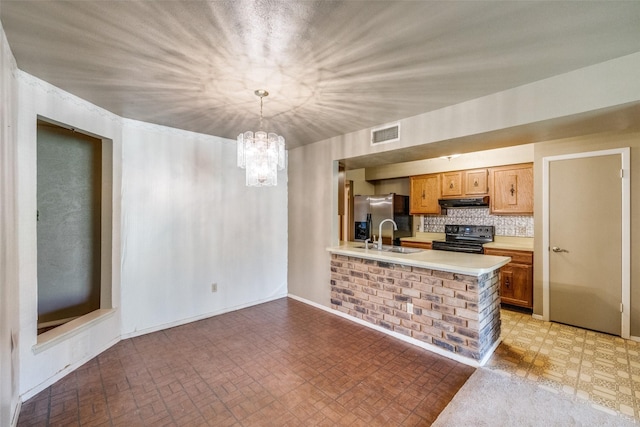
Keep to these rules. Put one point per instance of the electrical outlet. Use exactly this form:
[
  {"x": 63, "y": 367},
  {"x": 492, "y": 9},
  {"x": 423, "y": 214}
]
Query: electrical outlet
[
  {"x": 214, "y": 287},
  {"x": 409, "y": 307}
]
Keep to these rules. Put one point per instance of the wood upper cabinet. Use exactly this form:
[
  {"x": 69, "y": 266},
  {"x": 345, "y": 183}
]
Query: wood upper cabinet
[
  {"x": 451, "y": 184},
  {"x": 516, "y": 278},
  {"x": 425, "y": 192},
  {"x": 476, "y": 182},
  {"x": 511, "y": 189},
  {"x": 465, "y": 183}
]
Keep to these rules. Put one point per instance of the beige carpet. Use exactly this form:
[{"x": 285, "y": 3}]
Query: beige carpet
[{"x": 491, "y": 398}]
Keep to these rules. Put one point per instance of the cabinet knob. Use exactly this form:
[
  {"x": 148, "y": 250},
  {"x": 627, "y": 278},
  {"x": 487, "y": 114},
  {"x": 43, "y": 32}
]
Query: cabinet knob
[
  {"x": 423, "y": 194},
  {"x": 507, "y": 284},
  {"x": 512, "y": 191},
  {"x": 476, "y": 183},
  {"x": 451, "y": 184}
]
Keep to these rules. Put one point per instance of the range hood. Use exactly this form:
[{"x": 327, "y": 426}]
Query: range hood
[{"x": 467, "y": 202}]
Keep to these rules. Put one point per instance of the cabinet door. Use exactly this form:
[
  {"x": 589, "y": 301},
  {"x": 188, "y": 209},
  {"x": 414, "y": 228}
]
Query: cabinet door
[
  {"x": 425, "y": 192},
  {"x": 476, "y": 182},
  {"x": 516, "y": 284},
  {"x": 516, "y": 278},
  {"x": 511, "y": 189},
  {"x": 451, "y": 184}
]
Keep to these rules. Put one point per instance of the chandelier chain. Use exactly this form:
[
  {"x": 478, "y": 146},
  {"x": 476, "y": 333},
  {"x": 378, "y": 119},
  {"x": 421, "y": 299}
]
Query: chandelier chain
[{"x": 261, "y": 98}]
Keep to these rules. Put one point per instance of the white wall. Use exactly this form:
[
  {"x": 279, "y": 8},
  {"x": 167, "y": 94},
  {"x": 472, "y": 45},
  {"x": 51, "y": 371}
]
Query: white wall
[
  {"x": 604, "y": 85},
  {"x": 313, "y": 221},
  {"x": 190, "y": 221},
  {"x": 360, "y": 185},
  {"x": 37, "y": 98},
  {"x": 182, "y": 219},
  {"x": 9, "y": 360}
]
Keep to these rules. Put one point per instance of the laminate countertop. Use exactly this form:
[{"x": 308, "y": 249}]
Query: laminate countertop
[
  {"x": 453, "y": 262},
  {"x": 500, "y": 242}
]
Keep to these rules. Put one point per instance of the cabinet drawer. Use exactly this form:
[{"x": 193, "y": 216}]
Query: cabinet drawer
[
  {"x": 420, "y": 245},
  {"x": 520, "y": 257}
]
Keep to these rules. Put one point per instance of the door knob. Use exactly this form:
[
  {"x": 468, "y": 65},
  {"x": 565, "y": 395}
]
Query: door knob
[{"x": 557, "y": 249}]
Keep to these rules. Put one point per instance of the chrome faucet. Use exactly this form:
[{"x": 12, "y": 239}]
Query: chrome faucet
[{"x": 395, "y": 227}]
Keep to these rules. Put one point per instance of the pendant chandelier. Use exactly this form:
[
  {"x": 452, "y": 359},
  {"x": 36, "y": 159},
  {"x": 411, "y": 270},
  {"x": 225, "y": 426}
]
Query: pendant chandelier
[{"x": 261, "y": 154}]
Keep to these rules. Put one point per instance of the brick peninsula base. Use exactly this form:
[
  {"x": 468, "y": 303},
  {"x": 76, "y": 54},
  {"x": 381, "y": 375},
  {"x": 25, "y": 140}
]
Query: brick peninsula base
[{"x": 456, "y": 312}]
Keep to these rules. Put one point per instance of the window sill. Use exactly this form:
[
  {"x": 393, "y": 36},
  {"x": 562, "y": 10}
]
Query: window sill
[{"x": 51, "y": 338}]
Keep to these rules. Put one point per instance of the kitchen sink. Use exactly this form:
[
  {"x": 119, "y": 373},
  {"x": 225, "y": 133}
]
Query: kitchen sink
[
  {"x": 394, "y": 249},
  {"x": 402, "y": 250}
]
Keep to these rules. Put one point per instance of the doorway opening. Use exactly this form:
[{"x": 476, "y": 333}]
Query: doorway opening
[{"x": 73, "y": 224}]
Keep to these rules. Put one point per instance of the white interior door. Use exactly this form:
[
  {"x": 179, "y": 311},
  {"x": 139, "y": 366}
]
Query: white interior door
[{"x": 585, "y": 228}]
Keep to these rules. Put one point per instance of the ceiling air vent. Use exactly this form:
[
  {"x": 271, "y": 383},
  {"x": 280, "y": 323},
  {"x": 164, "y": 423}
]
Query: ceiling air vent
[{"x": 386, "y": 134}]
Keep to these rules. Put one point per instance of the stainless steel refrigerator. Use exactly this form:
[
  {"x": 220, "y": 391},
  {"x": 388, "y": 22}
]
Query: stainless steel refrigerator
[{"x": 370, "y": 211}]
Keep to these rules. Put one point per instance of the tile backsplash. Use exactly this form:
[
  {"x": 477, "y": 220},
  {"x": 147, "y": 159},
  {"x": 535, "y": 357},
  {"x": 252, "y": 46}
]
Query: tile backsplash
[{"x": 505, "y": 225}]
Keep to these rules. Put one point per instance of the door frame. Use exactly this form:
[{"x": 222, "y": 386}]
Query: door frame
[{"x": 625, "y": 168}]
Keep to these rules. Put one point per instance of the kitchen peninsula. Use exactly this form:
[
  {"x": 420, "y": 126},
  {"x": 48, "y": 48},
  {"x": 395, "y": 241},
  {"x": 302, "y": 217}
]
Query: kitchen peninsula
[{"x": 446, "y": 300}]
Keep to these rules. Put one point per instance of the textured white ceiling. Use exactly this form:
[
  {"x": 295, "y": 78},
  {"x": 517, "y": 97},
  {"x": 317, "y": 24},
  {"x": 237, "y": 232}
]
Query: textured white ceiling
[{"x": 331, "y": 67}]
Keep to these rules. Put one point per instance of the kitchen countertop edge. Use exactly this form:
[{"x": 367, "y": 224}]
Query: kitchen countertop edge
[
  {"x": 500, "y": 242},
  {"x": 453, "y": 262}
]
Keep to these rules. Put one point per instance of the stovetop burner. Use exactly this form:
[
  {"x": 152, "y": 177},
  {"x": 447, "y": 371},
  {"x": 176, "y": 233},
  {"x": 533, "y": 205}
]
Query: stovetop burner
[{"x": 465, "y": 238}]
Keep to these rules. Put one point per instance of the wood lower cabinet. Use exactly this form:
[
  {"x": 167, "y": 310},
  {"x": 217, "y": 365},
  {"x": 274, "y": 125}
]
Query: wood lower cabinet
[
  {"x": 419, "y": 245},
  {"x": 516, "y": 278},
  {"x": 425, "y": 192}
]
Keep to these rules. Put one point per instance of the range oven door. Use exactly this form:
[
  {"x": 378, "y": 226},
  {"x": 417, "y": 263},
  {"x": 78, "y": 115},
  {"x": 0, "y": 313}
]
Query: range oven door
[{"x": 466, "y": 247}]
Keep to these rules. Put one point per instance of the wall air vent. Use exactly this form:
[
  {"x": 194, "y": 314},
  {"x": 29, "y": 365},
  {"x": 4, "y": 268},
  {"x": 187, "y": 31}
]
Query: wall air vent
[{"x": 385, "y": 134}]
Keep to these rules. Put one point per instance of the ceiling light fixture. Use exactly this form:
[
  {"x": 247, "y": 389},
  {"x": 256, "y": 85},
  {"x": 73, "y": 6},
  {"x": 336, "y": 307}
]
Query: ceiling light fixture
[
  {"x": 262, "y": 154},
  {"x": 452, "y": 156}
]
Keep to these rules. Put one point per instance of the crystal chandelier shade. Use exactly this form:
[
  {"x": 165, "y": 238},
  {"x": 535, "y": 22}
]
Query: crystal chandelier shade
[{"x": 261, "y": 154}]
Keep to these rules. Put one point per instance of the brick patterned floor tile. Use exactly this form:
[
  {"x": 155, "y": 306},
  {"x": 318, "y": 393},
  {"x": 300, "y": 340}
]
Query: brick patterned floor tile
[{"x": 281, "y": 364}]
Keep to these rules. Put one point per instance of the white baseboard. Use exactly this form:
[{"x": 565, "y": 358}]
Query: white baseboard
[
  {"x": 537, "y": 317},
  {"x": 181, "y": 322},
  {"x": 49, "y": 381},
  {"x": 69, "y": 368},
  {"x": 16, "y": 414},
  {"x": 430, "y": 347}
]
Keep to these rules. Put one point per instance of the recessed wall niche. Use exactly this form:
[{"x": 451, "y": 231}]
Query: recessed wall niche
[{"x": 74, "y": 182}]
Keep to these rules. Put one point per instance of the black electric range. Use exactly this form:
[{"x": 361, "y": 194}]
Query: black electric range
[{"x": 465, "y": 238}]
